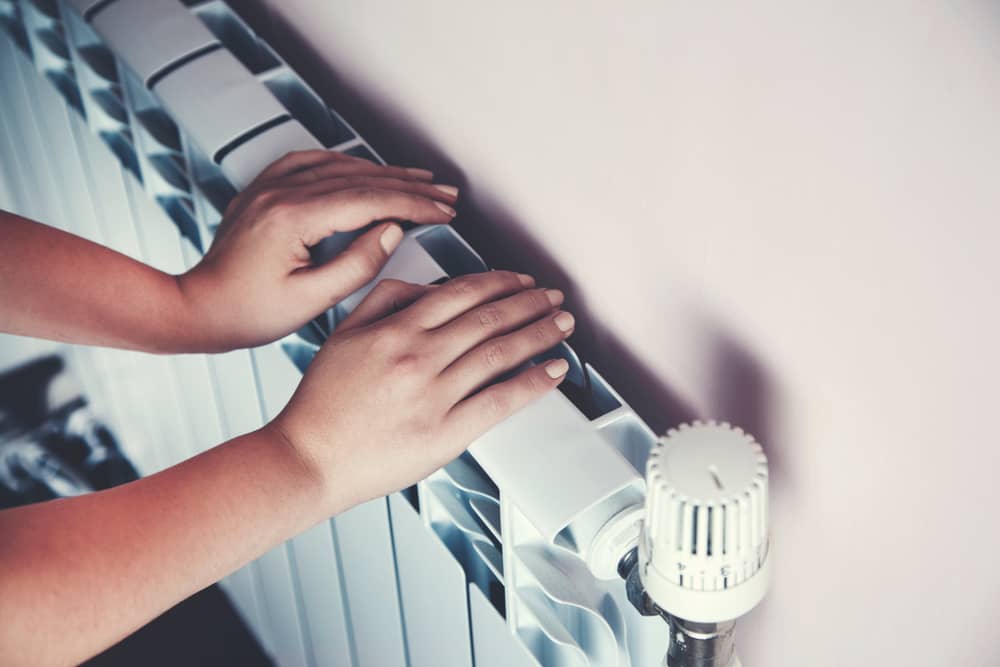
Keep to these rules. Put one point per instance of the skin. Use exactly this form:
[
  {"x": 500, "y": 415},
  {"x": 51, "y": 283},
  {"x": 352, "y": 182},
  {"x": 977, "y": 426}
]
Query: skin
[{"x": 403, "y": 386}]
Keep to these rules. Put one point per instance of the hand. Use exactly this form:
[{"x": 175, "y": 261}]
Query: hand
[
  {"x": 257, "y": 282},
  {"x": 400, "y": 388}
]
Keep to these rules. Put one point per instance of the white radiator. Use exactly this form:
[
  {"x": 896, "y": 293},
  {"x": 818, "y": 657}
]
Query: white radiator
[{"x": 483, "y": 563}]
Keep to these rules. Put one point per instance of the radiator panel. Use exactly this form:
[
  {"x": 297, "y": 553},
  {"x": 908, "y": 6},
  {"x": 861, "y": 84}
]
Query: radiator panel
[
  {"x": 432, "y": 592},
  {"x": 483, "y": 562}
]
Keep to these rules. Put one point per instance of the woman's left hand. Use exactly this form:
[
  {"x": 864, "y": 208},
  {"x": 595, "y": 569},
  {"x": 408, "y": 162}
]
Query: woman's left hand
[{"x": 258, "y": 283}]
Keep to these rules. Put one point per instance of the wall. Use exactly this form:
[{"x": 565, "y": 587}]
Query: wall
[{"x": 780, "y": 213}]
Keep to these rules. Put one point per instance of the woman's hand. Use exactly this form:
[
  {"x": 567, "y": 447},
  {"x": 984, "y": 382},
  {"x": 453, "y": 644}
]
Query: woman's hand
[
  {"x": 400, "y": 388},
  {"x": 257, "y": 283}
]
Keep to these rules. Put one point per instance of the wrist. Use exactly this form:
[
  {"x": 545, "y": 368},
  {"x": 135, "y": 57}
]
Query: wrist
[
  {"x": 167, "y": 324},
  {"x": 196, "y": 329},
  {"x": 308, "y": 473}
]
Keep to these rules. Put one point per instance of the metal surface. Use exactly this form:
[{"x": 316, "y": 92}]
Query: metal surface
[{"x": 702, "y": 644}]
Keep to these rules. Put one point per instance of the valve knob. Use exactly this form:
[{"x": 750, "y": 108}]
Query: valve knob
[{"x": 703, "y": 551}]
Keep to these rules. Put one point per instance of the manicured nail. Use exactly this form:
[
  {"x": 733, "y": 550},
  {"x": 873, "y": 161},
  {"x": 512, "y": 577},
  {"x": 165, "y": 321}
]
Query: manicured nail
[
  {"x": 390, "y": 238},
  {"x": 449, "y": 190},
  {"x": 422, "y": 174},
  {"x": 554, "y": 296},
  {"x": 565, "y": 321},
  {"x": 556, "y": 368},
  {"x": 444, "y": 207},
  {"x": 526, "y": 280}
]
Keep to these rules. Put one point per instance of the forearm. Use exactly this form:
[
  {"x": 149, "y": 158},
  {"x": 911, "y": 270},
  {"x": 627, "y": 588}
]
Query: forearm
[
  {"x": 62, "y": 287},
  {"x": 78, "y": 574}
]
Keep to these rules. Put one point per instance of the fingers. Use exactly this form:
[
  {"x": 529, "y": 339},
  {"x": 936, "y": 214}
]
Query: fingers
[
  {"x": 298, "y": 160},
  {"x": 341, "y": 168},
  {"x": 464, "y": 293},
  {"x": 325, "y": 191},
  {"x": 353, "y": 268},
  {"x": 477, "y": 414},
  {"x": 492, "y": 358},
  {"x": 493, "y": 319},
  {"x": 446, "y": 194},
  {"x": 282, "y": 167},
  {"x": 301, "y": 167},
  {"x": 357, "y": 207},
  {"x": 388, "y": 297}
]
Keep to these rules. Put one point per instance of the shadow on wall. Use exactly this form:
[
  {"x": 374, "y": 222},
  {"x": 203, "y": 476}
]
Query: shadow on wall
[{"x": 743, "y": 394}]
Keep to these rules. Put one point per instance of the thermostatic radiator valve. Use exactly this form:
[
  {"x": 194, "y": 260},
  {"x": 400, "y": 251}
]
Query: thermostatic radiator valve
[{"x": 701, "y": 560}]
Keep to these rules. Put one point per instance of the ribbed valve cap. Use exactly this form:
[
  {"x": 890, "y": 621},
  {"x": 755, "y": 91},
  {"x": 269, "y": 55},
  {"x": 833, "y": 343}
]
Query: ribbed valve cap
[{"x": 703, "y": 551}]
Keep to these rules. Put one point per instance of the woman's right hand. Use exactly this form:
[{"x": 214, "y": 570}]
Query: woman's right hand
[{"x": 403, "y": 385}]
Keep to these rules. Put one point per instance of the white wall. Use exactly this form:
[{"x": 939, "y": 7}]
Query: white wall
[{"x": 787, "y": 212}]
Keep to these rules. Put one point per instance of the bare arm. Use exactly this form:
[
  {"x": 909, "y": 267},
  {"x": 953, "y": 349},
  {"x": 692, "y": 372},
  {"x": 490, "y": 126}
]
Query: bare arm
[
  {"x": 394, "y": 394},
  {"x": 257, "y": 282},
  {"x": 59, "y": 286},
  {"x": 78, "y": 574}
]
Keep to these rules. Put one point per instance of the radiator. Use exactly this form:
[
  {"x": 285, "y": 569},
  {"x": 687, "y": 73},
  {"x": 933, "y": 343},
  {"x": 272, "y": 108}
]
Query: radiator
[{"x": 133, "y": 123}]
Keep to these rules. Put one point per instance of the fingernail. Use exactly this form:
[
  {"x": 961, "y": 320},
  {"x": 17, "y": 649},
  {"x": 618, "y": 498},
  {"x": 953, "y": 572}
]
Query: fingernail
[
  {"x": 554, "y": 296},
  {"x": 565, "y": 321},
  {"x": 450, "y": 190},
  {"x": 526, "y": 280},
  {"x": 422, "y": 174},
  {"x": 444, "y": 207},
  {"x": 556, "y": 368},
  {"x": 390, "y": 238}
]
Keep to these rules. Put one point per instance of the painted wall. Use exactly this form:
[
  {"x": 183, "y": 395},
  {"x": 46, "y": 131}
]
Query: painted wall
[{"x": 781, "y": 213}]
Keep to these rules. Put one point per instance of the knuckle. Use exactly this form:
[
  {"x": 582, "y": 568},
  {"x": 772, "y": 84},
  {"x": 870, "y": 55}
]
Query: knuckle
[
  {"x": 461, "y": 286},
  {"x": 497, "y": 279},
  {"x": 541, "y": 333},
  {"x": 511, "y": 280},
  {"x": 490, "y": 317},
  {"x": 495, "y": 355},
  {"x": 537, "y": 300}
]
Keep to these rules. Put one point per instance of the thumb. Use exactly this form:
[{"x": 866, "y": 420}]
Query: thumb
[
  {"x": 355, "y": 266},
  {"x": 389, "y": 296}
]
